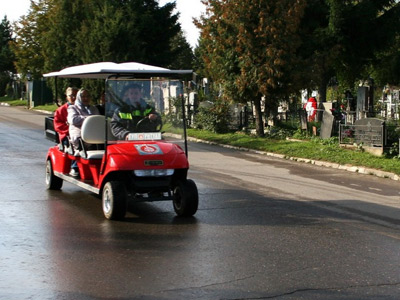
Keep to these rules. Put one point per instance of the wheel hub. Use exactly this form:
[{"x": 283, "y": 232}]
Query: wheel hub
[{"x": 106, "y": 202}]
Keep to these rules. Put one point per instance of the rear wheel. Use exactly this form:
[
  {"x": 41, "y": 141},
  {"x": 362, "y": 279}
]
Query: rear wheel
[
  {"x": 52, "y": 182},
  {"x": 114, "y": 200},
  {"x": 186, "y": 198}
]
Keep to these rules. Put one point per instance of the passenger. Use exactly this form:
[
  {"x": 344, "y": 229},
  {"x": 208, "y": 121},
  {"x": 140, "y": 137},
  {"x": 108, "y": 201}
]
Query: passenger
[
  {"x": 126, "y": 118},
  {"x": 60, "y": 121},
  {"x": 77, "y": 113}
]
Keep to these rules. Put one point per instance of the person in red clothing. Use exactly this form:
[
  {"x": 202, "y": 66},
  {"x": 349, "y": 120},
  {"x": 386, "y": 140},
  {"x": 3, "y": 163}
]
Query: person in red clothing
[
  {"x": 311, "y": 108},
  {"x": 61, "y": 125}
]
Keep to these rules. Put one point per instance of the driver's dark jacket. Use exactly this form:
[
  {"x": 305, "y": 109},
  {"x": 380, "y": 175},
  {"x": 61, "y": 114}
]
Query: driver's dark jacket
[{"x": 126, "y": 118}]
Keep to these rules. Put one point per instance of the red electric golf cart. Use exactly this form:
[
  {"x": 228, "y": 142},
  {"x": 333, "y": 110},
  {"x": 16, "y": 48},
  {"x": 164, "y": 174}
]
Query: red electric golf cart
[{"x": 150, "y": 164}]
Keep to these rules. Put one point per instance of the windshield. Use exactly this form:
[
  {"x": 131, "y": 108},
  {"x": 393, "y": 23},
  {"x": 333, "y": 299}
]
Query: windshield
[{"x": 144, "y": 110}]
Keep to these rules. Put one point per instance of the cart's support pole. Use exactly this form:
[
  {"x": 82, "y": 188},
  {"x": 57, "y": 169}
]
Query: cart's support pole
[
  {"x": 56, "y": 92},
  {"x": 184, "y": 119}
]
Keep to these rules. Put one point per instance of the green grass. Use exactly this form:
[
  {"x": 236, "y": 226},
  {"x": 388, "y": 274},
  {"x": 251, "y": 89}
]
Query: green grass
[
  {"x": 47, "y": 107},
  {"x": 311, "y": 149},
  {"x": 13, "y": 102}
]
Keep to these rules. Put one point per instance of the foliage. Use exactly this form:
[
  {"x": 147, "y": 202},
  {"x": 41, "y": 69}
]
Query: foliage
[
  {"x": 182, "y": 53},
  {"x": 386, "y": 68},
  {"x": 345, "y": 40},
  {"x": 361, "y": 30},
  {"x": 317, "y": 51},
  {"x": 61, "y": 33},
  {"x": 248, "y": 48},
  {"x": 278, "y": 133},
  {"x": 300, "y": 134},
  {"x": 29, "y": 32},
  {"x": 214, "y": 117},
  {"x": 175, "y": 115},
  {"x": 394, "y": 150},
  {"x": 6, "y": 55},
  {"x": 393, "y": 137}
]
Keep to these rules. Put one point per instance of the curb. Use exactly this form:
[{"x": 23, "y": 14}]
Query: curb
[{"x": 347, "y": 167}]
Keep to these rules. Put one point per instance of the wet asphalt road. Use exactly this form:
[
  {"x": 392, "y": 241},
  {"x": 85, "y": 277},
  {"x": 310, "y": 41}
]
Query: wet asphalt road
[{"x": 265, "y": 229}]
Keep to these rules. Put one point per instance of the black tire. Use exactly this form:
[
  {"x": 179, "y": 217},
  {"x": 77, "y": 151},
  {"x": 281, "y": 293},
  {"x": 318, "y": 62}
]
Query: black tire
[
  {"x": 186, "y": 198},
  {"x": 114, "y": 200},
  {"x": 52, "y": 182}
]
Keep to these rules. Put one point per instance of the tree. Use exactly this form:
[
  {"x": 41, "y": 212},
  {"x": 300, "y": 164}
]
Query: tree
[
  {"x": 134, "y": 30},
  {"x": 61, "y": 40},
  {"x": 362, "y": 30},
  {"x": 316, "y": 54},
  {"x": 386, "y": 68},
  {"x": 249, "y": 47},
  {"x": 60, "y": 33},
  {"x": 182, "y": 52},
  {"x": 70, "y": 32},
  {"x": 6, "y": 55},
  {"x": 28, "y": 46}
]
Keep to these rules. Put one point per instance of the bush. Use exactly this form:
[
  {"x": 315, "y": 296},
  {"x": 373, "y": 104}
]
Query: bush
[
  {"x": 214, "y": 117},
  {"x": 393, "y": 136}
]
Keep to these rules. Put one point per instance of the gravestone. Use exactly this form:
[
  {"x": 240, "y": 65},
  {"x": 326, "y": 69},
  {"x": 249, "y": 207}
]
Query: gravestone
[
  {"x": 369, "y": 132},
  {"x": 362, "y": 102},
  {"x": 326, "y": 125},
  {"x": 303, "y": 119}
]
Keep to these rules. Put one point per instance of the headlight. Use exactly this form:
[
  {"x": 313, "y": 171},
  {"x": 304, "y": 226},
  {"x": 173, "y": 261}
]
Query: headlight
[{"x": 154, "y": 172}]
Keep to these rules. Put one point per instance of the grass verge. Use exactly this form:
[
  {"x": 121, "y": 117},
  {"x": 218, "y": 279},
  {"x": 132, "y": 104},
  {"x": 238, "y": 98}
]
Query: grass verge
[
  {"x": 11, "y": 102},
  {"x": 315, "y": 149}
]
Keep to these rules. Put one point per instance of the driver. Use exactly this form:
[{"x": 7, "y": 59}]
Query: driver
[{"x": 126, "y": 118}]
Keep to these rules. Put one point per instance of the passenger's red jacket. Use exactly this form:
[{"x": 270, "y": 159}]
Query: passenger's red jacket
[{"x": 60, "y": 121}]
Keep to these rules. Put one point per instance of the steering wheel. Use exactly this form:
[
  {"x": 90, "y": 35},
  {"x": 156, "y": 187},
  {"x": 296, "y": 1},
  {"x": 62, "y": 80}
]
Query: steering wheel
[{"x": 147, "y": 125}]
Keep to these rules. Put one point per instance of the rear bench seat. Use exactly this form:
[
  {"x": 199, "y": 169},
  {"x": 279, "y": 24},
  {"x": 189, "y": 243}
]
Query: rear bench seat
[{"x": 93, "y": 132}]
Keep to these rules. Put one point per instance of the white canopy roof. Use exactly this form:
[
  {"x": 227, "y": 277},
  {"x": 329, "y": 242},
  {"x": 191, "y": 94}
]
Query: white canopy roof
[{"x": 102, "y": 70}]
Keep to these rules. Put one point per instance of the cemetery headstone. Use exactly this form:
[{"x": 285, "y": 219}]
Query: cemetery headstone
[
  {"x": 369, "y": 132},
  {"x": 326, "y": 125}
]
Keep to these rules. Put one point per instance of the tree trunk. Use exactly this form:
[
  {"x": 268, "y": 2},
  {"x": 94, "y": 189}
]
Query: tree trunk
[
  {"x": 259, "y": 121},
  {"x": 271, "y": 111},
  {"x": 322, "y": 88}
]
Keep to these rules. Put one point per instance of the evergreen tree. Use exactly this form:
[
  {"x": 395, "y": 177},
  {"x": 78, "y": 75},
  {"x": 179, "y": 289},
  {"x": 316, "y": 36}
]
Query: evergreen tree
[
  {"x": 316, "y": 55},
  {"x": 181, "y": 50},
  {"x": 386, "y": 68},
  {"x": 70, "y": 32},
  {"x": 6, "y": 55},
  {"x": 361, "y": 31},
  {"x": 28, "y": 47}
]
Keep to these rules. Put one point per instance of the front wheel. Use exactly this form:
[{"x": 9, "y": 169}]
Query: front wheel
[
  {"x": 52, "y": 181},
  {"x": 114, "y": 200},
  {"x": 186, "y": 198}
]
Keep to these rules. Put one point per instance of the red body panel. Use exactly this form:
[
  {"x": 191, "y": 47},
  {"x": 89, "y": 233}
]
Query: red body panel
[{"x": 122, "y": 156}]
